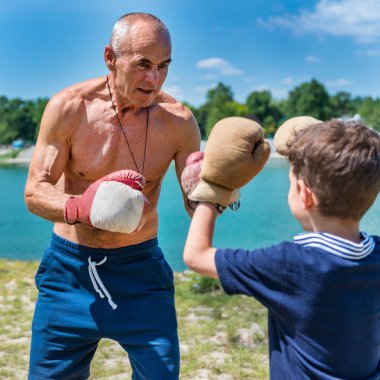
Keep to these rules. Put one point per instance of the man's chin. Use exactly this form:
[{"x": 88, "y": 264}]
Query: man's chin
[{"x": 145, "y": 100}]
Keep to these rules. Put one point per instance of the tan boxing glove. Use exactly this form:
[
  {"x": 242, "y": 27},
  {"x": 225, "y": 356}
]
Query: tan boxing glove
[
  {"x": 286, "y": 132},
  {"x": 235, "y": 153},
  {"x": 191, "y": 176}
]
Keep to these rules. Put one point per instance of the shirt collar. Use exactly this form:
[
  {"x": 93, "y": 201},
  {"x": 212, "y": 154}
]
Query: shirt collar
[{"x": 336, "y": 245}]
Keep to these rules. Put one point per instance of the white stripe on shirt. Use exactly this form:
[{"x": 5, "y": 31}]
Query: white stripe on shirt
[{"x": 336, "y": 245}]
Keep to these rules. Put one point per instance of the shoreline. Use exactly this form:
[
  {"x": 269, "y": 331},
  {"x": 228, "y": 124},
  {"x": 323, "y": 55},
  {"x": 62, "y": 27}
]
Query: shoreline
[{"x": 24, "y": 157}]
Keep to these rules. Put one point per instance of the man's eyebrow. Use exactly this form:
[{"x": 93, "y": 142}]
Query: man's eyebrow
[{"x": 146, "y": 60}]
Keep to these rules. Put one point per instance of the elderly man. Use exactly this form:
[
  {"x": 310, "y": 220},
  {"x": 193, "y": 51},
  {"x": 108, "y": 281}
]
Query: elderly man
[{"x": 101, "y": 155}]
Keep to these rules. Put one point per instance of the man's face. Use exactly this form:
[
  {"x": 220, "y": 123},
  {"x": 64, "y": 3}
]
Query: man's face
[{"x": 143, "y": 65}]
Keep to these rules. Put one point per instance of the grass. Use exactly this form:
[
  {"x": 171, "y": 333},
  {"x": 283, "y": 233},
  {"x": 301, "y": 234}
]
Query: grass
[
  {"x": 212, "y": 330},
  {"x": 13, "y": 154}
]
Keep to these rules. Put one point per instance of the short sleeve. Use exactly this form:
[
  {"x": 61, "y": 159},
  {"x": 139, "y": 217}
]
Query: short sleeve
[{"x": 257, "y": 273}]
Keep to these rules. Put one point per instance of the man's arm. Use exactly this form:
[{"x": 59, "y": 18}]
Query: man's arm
[
  {"x": 50, "y": 159},
  {"x": 199, "y": 254},
  {"x": 189, "y": 143}
]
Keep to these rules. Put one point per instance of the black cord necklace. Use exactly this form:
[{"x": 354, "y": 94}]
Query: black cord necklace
[{"x": 125, "y": 136}]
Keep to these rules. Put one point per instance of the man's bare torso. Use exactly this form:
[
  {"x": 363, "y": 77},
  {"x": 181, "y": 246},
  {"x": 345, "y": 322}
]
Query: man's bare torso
[{"x": 98, "y": 147}]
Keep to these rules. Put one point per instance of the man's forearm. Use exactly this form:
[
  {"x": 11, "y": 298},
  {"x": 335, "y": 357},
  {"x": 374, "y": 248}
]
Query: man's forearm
[{"x": 44, "y": 200}]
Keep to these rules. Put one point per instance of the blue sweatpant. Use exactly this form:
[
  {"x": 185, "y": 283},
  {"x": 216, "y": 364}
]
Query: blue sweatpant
[{"x": 85, "y": 294}]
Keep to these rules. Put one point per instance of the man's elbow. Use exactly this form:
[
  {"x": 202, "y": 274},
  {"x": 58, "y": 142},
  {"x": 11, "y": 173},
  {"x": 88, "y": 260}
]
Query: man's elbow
[{"x": 29, "y": 199}]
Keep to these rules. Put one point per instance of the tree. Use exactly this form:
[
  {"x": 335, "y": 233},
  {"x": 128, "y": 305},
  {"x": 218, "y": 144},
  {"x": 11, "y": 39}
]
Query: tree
[
  {"x": 220, "y": 94},
  {"x": 261, "y": 107},
  {"x": 220, "y": 104},
  {"x": 197, "y": 112},
  {"x": 310, "y": 98},
  {"x": 37, "y": 112},
  {"x": 369, "y": 110},
  {"x": 20, "y": 118},
  {"x": 218, "y": 112},
  {"x": 342, "y": 104}
]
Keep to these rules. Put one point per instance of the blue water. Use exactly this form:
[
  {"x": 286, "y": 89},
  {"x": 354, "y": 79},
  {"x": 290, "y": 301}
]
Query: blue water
[{"x": 262, "y": 219}]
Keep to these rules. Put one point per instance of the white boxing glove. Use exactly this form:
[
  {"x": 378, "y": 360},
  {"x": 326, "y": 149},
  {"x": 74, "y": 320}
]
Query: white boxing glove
[{"x": 113, "y": 203}]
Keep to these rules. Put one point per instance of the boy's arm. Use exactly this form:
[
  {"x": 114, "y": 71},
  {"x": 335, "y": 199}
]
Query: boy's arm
[{"x": 199, "y": 254}]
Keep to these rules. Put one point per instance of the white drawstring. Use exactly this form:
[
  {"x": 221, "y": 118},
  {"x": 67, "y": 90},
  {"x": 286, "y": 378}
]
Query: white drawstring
[{"x": 95, "y": 279}]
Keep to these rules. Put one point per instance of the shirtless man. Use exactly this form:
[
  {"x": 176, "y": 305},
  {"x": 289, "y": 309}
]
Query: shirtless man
[{"x": 94, "y": 282}]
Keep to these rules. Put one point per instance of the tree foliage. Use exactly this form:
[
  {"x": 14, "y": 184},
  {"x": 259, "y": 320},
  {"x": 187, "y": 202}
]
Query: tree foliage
[
  {"x": 21, "y": 118},
  {"x": 262, "y": 108},
  {"x": 310, "y": 98}
]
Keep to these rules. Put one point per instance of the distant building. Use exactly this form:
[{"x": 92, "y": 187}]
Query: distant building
[
  {"x": 17, "y": 144},
  {"x": 356, "y": 118}
]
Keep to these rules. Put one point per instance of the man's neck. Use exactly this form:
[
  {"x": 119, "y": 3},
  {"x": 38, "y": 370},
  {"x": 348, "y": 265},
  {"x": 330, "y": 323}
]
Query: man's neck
[{"x": 121, "y": 104}]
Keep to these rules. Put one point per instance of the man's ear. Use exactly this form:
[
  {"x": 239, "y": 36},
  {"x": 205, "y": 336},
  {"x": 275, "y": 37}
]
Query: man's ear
[
  {"x": 308, "y": 198},
  {"x": 109, "y": 58}
]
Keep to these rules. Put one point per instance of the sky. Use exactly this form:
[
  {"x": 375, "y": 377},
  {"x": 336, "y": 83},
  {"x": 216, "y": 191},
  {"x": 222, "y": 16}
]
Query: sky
[{"x": 249, "y": 45}]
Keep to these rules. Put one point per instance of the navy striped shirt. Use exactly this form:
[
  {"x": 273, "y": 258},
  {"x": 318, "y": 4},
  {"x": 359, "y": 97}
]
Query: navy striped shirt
[{"x": 323, "y": 297}]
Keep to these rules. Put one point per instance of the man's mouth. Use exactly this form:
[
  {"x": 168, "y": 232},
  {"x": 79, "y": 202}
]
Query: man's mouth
[{"x": 147, "y": 92}]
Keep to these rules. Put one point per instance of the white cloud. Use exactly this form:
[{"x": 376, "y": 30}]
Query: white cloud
[
  {"x": 370, "y": 52},
  {"x": 220, "y": 65},
  {"x": 174, "y": 91},
  {"x": 288, "y": 80},
  {"x": 340, "y": 83},
  {"x": 210, "y": 76},
  {"x": 312, "y": 59},
  {"x": 276, "y": 92},
  {"x": 359, "y": 19},
  {"x": 279, "y": 92},
  {"x": 204, "y": 89},
  {"x": 261, "y": 87},
  {"x": 250, "y": 79}
]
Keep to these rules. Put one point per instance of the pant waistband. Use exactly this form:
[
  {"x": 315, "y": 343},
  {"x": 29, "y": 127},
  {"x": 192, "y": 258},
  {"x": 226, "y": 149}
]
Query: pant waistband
[{"x": 114, "y": 255}]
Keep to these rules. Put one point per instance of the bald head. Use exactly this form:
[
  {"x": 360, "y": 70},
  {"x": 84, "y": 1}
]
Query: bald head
[{"x": 128, "y": 25}]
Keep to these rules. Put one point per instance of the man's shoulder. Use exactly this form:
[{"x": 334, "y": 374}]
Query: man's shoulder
[
  {"x": 173, "y": 109},
  {"x": 71, "y": 102},
  {"x": 79, "y": 92}
]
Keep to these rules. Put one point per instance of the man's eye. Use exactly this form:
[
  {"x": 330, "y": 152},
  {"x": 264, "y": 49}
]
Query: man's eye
[
  {"x": 144, "y": 65},
  {"x": 163, "y": 66}
]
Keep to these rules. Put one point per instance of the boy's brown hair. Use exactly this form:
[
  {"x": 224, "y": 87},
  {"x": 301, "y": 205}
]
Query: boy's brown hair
[{"x": 340, "y": 163}]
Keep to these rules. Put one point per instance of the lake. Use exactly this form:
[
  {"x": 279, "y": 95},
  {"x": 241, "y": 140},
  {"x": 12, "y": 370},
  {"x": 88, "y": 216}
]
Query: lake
[{"x": 263, "y": 218}]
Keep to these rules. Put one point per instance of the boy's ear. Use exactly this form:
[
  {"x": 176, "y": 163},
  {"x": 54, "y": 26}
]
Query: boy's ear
[{"x": 308, "y": 198}]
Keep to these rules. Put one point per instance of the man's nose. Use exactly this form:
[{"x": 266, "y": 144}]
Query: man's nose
[{"x": 152, "y": 75}]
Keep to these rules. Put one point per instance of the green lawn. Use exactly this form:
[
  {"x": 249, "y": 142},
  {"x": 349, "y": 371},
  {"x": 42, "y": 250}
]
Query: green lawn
[{"x": 221, "y": 337}]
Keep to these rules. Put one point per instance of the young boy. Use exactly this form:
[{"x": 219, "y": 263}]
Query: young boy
[{"x": 322, "y": 290}]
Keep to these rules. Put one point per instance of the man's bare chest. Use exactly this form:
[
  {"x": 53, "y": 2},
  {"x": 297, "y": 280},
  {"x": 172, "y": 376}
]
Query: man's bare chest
[{"x": 101, "y": 146}]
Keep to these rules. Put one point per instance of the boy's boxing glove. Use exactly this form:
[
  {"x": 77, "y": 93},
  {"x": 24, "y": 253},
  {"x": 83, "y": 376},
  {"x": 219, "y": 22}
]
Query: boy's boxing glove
[
  {"x": 235, "y": 152},
  {"x": 113, "y": 203},
  {"x": 286, "y": 132},
  {"x": 191, "y": 177}
]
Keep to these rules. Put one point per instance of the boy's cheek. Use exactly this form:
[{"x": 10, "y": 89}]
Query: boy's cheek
[{"x": 299, "y": 213}]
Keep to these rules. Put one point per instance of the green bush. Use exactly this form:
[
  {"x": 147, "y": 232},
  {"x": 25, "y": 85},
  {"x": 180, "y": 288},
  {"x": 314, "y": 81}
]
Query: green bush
[{"x": 201, "y": 284}]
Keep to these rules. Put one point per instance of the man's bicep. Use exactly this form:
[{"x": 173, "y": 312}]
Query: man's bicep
[
  {"x": 189, "y": 142},
  {"x": 53, "y": 143},
  {"x": 52, "y": 147}
]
